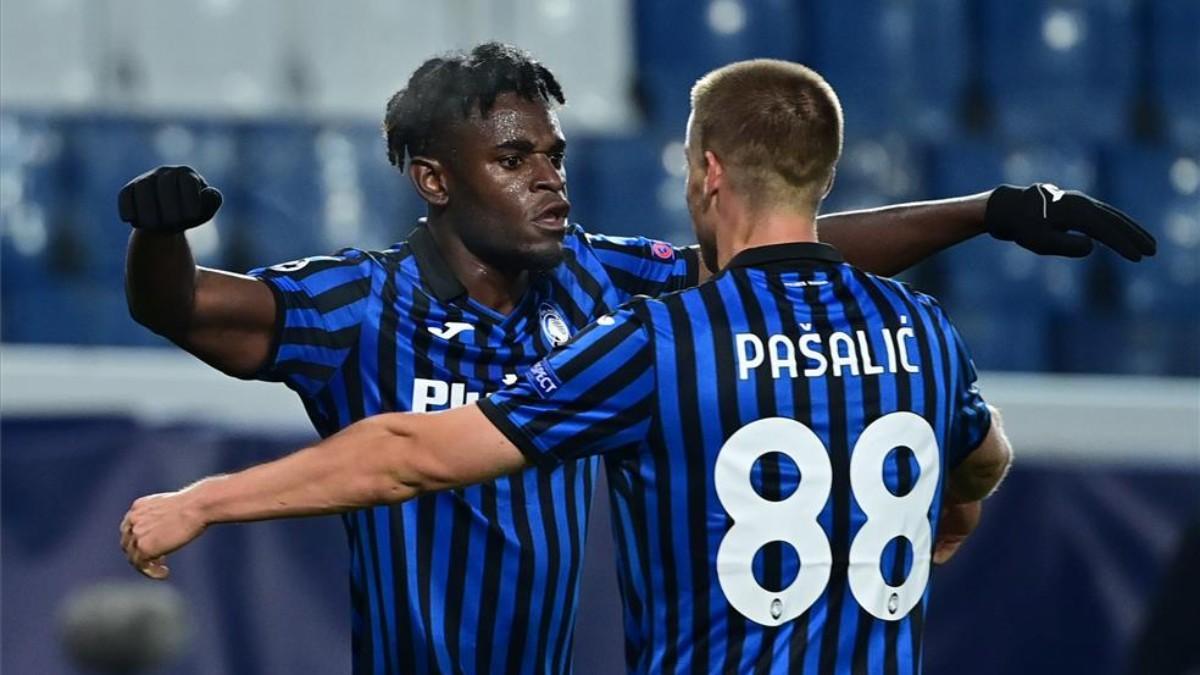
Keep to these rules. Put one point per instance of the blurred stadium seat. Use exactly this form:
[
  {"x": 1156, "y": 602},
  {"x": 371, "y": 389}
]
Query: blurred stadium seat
[
  {"x": 1060, "y": 68},
  {"x": 1161, "y": 302},
  {"x": 629, "y": 186},
  {"x": 280, "y": 194},
  {"x": 680, "y": 40},
  {"x": 1175, "y": 44},
  {"x": 899, "y": 65},
  {"x": 875, "y": 171}
]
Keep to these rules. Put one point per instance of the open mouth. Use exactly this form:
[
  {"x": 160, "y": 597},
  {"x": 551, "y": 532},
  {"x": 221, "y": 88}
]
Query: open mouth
[{"x": 554, "y": 216}]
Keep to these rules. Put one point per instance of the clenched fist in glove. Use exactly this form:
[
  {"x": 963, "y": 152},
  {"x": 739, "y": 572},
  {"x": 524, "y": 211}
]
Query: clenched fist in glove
[{"x": 168, "y": 199}]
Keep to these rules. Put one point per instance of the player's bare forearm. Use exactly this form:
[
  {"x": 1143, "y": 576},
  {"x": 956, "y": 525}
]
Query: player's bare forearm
[
  {"x": 978, "y": 476},
  {"x": 367, "y": 464},
  {"x": 890, "y": 239},
  {"x": 385, "y": 459}
]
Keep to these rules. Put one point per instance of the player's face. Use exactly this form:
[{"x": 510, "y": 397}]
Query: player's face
[
  {"x": 698, "y": 206},
  {"x": 507, "y": 186}
]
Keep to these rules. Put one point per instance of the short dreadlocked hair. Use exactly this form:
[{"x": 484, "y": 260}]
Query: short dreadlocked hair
[{"x": 447, "y": 88}]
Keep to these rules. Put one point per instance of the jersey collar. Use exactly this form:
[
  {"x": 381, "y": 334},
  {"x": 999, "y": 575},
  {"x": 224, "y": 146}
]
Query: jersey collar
[
  {"x": 778, "y": 253},
  {"x": 435, "y": 272}
]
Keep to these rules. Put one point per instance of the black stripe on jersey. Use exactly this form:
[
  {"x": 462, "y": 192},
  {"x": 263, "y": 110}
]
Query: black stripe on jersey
[
  {"x": 339, "y": 339},
  {"x": 524, "y": 585},
  {"x": 361, "y": 640},
  {"x": 425, "y": 507},
  {"x": 494, "y": 547},
  {"x": 622, "y": 491},
  {"x": 553, "y": 561},
  {"x": 340, "y": 296},
  {"x": 609, "y": 245},
  {"x": 764, "y": 394},
  {"x": 943, "y": 338},
  {"x": 593, "y": 353},
  {"x": 929, "y": 384},
  {"x": 872, "y": 409},
  {"x": 614, "y": 382},
  {"x": 700, "y": 475},
  {"x": 685, "y": 362},
  {"x": 370, "y": 544},
  {"x": 628, "y": 283},
  {"x": 691, "y": 258},
  {"x": 801, "y": 405},
  {"x": 562, "y": 640},
  {"x": 903, "y": 402},
  {"x": 590, "y": 285},
  {"x": 459, "y": 524},
  {"x": 839, "y": 457},
  {"x": 307, "y": 369},
  {"x": 459, "y": 528},
  {"x": 387, "y": 358}
]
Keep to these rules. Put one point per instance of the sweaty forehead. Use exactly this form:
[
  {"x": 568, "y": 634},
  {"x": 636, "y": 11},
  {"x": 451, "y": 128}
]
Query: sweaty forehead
[{"x": 515, "y": 118}]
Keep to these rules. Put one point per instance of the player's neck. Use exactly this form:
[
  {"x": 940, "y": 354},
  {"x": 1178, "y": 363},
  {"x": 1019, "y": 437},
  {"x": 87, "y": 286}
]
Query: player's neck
[
  {"x": 749, "y": 230},
  {"x": 490, "y": 286}
]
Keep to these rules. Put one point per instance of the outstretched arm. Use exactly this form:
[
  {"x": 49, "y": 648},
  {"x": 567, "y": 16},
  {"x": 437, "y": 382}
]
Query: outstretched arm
[
  {"x": 1041, "y": 218},
  {"x": 384, "y": 459}
]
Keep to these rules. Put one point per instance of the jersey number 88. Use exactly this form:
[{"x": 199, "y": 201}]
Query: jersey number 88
[{"x": 793, "y": 520}]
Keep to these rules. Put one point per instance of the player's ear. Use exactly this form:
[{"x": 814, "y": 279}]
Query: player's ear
[
  {"x": 714, "y": 173},
  {"x": 429, "y": 178}
]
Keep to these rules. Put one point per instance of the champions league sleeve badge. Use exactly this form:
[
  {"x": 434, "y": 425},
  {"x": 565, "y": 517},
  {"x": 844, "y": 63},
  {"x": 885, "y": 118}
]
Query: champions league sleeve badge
[{"x": 555, "y": 329}]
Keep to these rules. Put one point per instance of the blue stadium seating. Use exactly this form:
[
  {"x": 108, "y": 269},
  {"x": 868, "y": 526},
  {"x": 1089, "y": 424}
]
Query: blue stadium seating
[
  {"x": 1161, "y": 298},
  {"x": 106, "y": 152},
  {"x": 280, "y": 193},
  {"x": 1060, "y": 68},
  {"x": 629, "y": 186},
  {"x": 874, "y": 171},
  {"x": 31, "y": 198},
  {"x": 680, "y": 40},
  {"x": 896, "y": 65},
  {"x": 1175, "y": 43},
  {"x": 352, "y": 160},
  {"x": 1161, "y": 189}
]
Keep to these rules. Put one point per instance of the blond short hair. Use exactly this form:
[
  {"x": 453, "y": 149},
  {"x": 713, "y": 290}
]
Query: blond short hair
[{"x": 775, "y": 125}]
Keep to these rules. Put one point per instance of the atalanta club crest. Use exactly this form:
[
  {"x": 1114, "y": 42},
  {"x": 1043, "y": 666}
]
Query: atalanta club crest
[{"x": 553, "y": 326}]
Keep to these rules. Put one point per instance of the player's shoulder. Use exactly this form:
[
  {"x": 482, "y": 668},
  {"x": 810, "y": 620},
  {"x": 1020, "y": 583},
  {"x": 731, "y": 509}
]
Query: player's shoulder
[
  {"x": 634, "y": 245},
  {"x": 658, "y": 309},
  {"x": 897, "y": 288},
  {"x": 344, "y": 262}
]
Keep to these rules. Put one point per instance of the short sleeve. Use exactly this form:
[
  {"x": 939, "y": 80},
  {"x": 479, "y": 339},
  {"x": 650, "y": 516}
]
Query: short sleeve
[
  {"x": 641, "y": 266},
  {"x": 319, "y": 307},
  {"x": 972, "y": 419},
  {"x": 593, "y": 395}
]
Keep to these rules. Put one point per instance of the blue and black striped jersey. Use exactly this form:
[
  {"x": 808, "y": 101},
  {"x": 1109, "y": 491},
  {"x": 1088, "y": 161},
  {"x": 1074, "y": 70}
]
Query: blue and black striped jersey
[
  {"x": 776, "y": 441},
  {"x": 482, "y": 579}
]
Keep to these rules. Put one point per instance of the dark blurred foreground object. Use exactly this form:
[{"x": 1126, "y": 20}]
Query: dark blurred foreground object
[
  {"x": 123, "y": 628},
  {"x": 1168, "y": 643}
]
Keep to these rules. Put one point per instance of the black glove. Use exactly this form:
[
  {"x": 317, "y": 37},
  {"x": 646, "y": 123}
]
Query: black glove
[
  {"x": 168, "y": 199},
  {"x": 1040, "y": 218}
]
